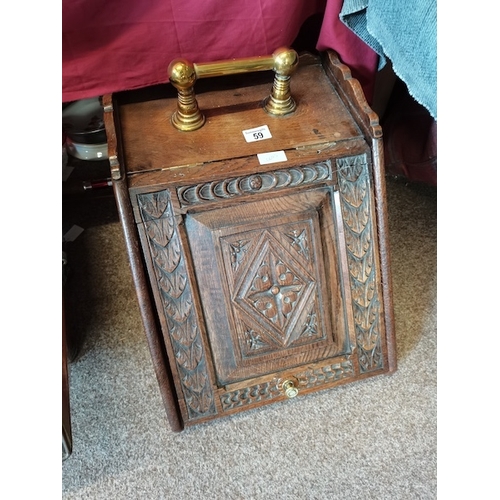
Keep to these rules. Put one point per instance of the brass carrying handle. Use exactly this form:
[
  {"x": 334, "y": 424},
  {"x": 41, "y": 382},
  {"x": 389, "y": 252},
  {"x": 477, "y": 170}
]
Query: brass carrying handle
[{"x": 183, "y": 75}]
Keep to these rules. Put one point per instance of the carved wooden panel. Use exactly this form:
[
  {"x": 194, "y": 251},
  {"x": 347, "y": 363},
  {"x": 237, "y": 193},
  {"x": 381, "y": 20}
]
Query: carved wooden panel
[
  {"x": 357, "y": 201},
  {"x": 268, "y": 273},
  {"x": 176, "y": 297}
]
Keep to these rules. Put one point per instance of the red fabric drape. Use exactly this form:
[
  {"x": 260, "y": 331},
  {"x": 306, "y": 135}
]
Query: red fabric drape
[
  {"x": 125, "y": 44},
  {"x": 352, "y": 51}
]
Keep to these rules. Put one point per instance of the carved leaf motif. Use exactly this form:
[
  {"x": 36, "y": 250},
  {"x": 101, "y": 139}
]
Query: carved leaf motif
[
  {"x": 205, "y": 402},
  {"x": 358, "y": 241},
  {"x": 361, "y": 266},
  {"x": 154, "y": 204},
  {"x": 370, "y": 355},
  {"x": 311, "y": 327},
  {"x": 197, "y": 394},
  {"x": 254, "y": 340},
  {"x": 351, "y": 167},
  {"x": 160, "y": 231},
  {"x": 167, "y": 256},
  {"x": 355, "y": 192},
  {"x": 166, "y": 252},
  {"x": 369, "y": 337},
  {"x": 355, "y": 203},
  {"x": 363, "y": 292},
  {"x": 309, "y": 331},
  {"x": 153, "y": 229},
  {"x": 195, "y": 381},
  {"x": 189, "y": 355},
  {"x": 238, "y": 251},
  {"x": 299, "y": 242},
  {"x": 173, "y": 284},
  {"x": 178, "y": 308},
  {"x": 356, "y": 206},
  {"x": 183, "y": 333}
]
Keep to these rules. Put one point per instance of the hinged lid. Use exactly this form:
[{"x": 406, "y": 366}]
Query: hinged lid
[{"x": 233, "y": 105}]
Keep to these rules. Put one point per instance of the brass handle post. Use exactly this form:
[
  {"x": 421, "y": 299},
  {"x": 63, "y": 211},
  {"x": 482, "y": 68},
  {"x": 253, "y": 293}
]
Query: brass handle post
[{"x": 183, "y": 75}]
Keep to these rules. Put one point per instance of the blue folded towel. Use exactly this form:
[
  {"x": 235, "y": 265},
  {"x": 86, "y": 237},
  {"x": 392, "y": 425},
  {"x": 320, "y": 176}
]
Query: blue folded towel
[{"x": 405, "y": 33}]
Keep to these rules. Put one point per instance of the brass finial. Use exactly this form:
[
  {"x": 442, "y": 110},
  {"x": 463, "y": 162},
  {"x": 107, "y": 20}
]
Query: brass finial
[
  {"x": 182, "y": 76},
  {"x": 280, "y": 102}
]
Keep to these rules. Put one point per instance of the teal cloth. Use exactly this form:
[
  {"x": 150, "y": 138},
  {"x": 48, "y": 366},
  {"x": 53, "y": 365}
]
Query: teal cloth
[{"x": 406, "y": 34}]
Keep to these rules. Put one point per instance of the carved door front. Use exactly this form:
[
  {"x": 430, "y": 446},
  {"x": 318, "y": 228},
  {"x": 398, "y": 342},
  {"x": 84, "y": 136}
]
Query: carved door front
[
  {"x": 268, "y": 276},
  {"x": 267, "y": 285}
]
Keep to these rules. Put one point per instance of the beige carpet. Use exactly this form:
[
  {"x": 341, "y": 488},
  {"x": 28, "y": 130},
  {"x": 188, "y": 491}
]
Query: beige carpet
[{"x": 374, "y": 439}]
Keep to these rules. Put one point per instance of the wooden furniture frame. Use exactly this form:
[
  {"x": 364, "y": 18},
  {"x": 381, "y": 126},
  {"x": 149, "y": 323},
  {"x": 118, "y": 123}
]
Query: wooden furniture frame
[{"x": 256, "y": 281}]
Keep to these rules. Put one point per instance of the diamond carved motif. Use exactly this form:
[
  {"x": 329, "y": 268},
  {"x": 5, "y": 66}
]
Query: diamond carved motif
[{"x": 275, "y": 288}]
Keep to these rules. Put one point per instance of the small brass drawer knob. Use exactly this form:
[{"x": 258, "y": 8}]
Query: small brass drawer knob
[{"x": 290, "y": 388}]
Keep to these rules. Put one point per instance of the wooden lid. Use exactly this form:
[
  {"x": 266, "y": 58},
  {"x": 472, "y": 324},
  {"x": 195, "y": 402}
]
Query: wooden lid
[{"x": 152, "y": 143}]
